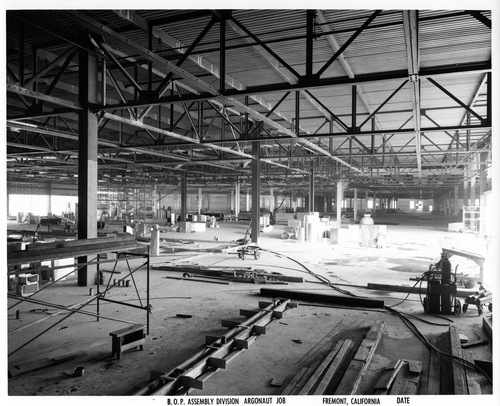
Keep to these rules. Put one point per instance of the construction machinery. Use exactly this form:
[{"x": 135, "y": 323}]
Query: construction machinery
[
  {"x": 479, "y": 300},
  {"x": 441, "y": 294}
]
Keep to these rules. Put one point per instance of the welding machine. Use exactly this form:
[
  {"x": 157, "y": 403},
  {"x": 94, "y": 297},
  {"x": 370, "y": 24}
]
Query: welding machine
[{"x": 441, "y": 290}]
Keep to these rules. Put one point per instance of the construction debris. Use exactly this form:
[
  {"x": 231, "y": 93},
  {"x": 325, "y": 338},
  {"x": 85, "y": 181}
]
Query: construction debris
[
  {"x": 236, "y": 274},
  {"x": 31, "y": 366}
]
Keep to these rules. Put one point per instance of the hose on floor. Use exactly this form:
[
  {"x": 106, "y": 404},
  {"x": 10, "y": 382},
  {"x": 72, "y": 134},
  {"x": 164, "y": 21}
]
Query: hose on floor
[
  {"x": 431, "y": 347},
  {"x": 403, "y": 316},
  {"x": 319, "y": 277}
]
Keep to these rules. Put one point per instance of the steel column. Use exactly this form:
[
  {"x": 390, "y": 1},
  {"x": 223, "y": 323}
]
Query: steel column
[
  {"x": 87, "y": 156},
  {"x": 488, "y": 99},
  {"x": 353, "y": 109},
  {"x": 255, "y": 193},
  {"x": 310, "y": 14},
  {"x": 222, "y": 57},
  {"x": 410, "y": 26},
  {"x": 297, "y": 113}
]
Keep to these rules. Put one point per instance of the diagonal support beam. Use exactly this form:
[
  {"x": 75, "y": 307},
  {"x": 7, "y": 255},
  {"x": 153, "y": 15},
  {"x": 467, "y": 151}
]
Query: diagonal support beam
[
  {"x": 243, "y": 31},
  {"x": 348, "y": 42},
  {"x": 327, "y": 30},
  {"x": 478, "y": 16},
  {"x": 122, "y": 69},
  {"x": 383, "y": 103},
  {"x": 157, "y": 33},
  {"x": 456, "y": 99},
  {"x": 49, "y": 67}
]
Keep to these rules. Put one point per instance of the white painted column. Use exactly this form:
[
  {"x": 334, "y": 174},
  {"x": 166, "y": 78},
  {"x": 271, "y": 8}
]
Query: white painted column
[
  {"x": 355, "y": 208},
  {"x": 466, "y": 186},
  {"x": 472, "y": 184},
  {"x": 155, "y": 241},
  {"x": 482, "y": 176},
  {"x": 271, "y": 200},
  {"x": 340, "y": 197},
  {"x": 200, "y": 199},
  {"x": 248, "y": 200},
  {"x": 49, "y": 200},
  {"x": 237, "y": 198}
]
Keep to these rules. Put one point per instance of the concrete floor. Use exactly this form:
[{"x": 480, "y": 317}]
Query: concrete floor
[{"x": 410, "y": 248}]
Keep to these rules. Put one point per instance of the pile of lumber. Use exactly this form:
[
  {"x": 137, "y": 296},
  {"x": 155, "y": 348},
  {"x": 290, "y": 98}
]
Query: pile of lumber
[
  {"x": 341, "y": 371},
  {"x": 448, "y": 376},
  {"x": 400, "y": 377}
]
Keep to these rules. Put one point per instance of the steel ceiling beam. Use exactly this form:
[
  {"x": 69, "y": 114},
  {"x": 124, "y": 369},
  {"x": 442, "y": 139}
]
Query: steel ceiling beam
[
  {"x": 480, "y": 17},
  {"x": 198, "y": 59},
  {"x": 197, "y": 83},
  {"x": 410, "y": 27},
  {"x": 348, "y": 42},
  {"x": 91, "y": 24},
  {"x": 15, "y": 88},
  {"x": 280, "y": 69},
  {"x": 476, "y": 67},
  {"x": 238, "y": 26},
  {"x": 332, "y": 40},
  {"x": 189, "y": 140}
]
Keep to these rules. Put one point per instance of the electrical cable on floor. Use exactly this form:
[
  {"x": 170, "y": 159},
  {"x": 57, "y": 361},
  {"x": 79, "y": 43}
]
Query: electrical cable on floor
[
  {"x": 405, "y": 318},
  {"x": 319, "y": 277},
  {"x": 421, "y": 301},
  {"x": 411, "y": 290},
  {"x": 426, "y": 342},
  {"x": 428, "y": 321}
]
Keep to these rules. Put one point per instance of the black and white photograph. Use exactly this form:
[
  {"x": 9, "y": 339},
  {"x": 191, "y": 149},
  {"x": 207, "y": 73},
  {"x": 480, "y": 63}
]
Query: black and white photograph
[{"x": 250, "y": 203}]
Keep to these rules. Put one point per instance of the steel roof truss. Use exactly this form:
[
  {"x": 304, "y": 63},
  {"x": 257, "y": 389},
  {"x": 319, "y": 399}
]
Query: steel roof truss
[
  {"x": 457, "y": 100},
  {"x": 383, "y": 103},
  {"x": 478, "y": 16},
  {"x": 157, "y": 33},
  {"x": 348, "y": 42},
  {"x": 120, "y": 92},
  {"x": 263, "y": 45}
]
